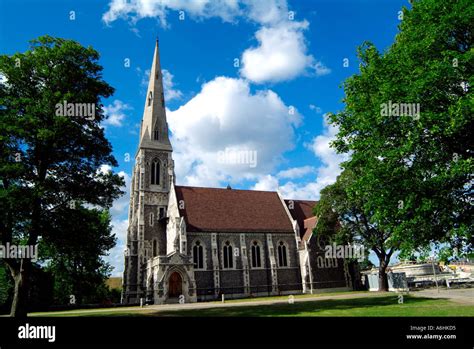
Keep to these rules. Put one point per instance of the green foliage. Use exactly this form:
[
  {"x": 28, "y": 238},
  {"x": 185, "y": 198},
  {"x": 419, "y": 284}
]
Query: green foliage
[
  {"x": 414, "y": 172},
  {"x": 41, "y": 292},
  {"x": 114, "y": 295},
  {"x": 366, "y": 264},
  {"x": 75, "y": 259},
  {"x": 420, "y": 254},
  {"x": 6, "y": 287},
  {"x": 59, "y": 156},
  {"x": 50, "y": 163},
  {"x": 343, "y": 218}
]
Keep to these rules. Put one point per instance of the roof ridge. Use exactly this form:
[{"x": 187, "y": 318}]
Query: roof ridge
[{"x": 229, "y": 190}]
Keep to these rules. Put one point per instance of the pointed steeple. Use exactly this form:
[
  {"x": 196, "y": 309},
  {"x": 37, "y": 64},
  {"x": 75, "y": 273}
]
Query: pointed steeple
[{"x": 154, "y": 128}]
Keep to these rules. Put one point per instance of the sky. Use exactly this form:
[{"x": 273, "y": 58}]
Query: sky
[{"x": 239, "y": 76}]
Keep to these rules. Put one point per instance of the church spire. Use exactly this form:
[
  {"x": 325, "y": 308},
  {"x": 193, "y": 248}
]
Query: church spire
[{"x": 154, "y": 128}]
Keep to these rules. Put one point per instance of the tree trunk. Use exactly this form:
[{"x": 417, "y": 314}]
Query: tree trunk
[
  {"x": 21, "y": 276},
  {"x": 21, "y": 272},
  {"x": 383, "y": 278}
]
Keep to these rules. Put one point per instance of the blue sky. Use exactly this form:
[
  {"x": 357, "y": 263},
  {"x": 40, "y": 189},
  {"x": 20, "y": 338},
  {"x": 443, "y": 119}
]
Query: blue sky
[{"x": 289, "y": 75}]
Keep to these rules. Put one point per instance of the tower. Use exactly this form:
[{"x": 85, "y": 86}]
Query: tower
[{"x": 152, "y": 176}]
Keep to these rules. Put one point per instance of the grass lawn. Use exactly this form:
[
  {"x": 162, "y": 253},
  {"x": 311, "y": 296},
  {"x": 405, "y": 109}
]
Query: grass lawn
[
  {"x": 369, "y": 306},
  {"x": 296, "y": 296}
]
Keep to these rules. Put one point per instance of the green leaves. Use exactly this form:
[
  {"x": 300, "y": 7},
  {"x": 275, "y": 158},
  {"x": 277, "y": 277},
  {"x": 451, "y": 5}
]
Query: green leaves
[
  {"x": 60, "y": 155},
  {"x": 48, "y": 159},
  {"x": 73, "y": 252},
  {"x": 412, "y": 174}
]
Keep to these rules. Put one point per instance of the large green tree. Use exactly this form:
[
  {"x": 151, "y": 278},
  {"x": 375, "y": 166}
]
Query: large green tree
[
  {"x": 49, "y": 159},
  {"x": 344, "y": 219},
  {"x": 415, "y": 170}
]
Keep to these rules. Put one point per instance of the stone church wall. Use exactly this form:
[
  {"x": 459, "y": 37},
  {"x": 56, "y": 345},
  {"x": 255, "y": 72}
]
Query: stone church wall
[
  {"x": 157, "y": 231},
  {"x": 289, "y": 278},
  {"x": 327, "y": 272},
  {"x": 231, "y": 281}
]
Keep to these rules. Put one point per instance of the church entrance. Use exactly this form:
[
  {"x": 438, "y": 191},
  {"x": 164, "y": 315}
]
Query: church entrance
[{"x": 175, "y": 285}]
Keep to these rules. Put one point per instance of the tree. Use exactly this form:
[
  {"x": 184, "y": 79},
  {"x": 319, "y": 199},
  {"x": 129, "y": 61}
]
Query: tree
[
  {"x": 75, "y": 259},
  {"x": 343, "y": 218},
  {"x": 6, "y": 287},
  {"x": 408, "y": 123},
  {"x": 50, "y": 158}
]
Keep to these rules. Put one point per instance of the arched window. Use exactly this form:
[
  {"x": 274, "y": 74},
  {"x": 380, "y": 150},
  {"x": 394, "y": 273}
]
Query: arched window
[
  {"x": 150, "y": 98},
  {"x": 156, "y": 134},
  {"x": 228, "y": 256},
  {"x": 198, "y": 256},
  {"x": 155, "y": 172},
  {"x": 162, "y": 100},
  {"x": 256, "y": 261},
  {"x": 155, "y": 248},
  {"x": 282, "y": 257}
]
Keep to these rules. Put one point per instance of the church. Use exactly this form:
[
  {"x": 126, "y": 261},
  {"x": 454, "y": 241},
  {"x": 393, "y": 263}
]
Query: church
[{"x": 192, "y": 244}]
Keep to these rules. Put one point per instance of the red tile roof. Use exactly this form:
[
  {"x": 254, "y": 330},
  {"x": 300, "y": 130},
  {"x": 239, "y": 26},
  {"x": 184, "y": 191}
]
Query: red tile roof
[
  {"x": 309, "y": 225},
  {"x": 301, "y": 210},
  {"x": 231, "y": 210}
]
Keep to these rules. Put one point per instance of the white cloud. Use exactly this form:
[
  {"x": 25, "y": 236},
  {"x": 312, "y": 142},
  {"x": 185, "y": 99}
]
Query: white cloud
[
  {"x": 116, "y": 254},
  {"x": 259, "y": 11},
  {"x": 319, "y": 68},
  {"x": 267, "y": 11},
  {"x": 120, "y": 206},
  {"x": 145, "y": 78},
  {"x": 168, "y": 86},
  {"x": 326, "y": 173},
  {"x": 115, "y": 113},
  {"x": 289, "y": 190},
  {"x": 316, "y": 109},
  {"x": 296, "y": 191},
  {"x": 105, "y": 169},
  {"x": 296, "y": 172},
  {"x": 281, "y": 54},
  {"x": 225, "y": 114},
  {"x": 266, "y": 183},
  {"x": 320, "y": 145},
  {"x": 135, "y": 10},
  {"x": 119, "y": 210}
]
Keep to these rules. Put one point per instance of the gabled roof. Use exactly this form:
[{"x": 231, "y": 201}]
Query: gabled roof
[
  {"x": 309, "y": 225},
  {"x": 301, "y": 210},
  {"x": 231, "y": 210}
]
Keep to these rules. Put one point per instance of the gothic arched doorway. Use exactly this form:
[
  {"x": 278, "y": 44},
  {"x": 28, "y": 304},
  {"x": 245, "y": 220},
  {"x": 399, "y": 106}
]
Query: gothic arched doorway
[{"x": 175, "y": 285}]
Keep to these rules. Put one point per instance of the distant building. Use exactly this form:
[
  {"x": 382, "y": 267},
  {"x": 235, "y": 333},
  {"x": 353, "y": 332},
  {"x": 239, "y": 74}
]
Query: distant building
[{"x": 195, "y": 244}]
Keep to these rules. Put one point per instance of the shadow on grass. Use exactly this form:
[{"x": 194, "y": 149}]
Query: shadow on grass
[
  {"x": 377, "y": 306},
  {"x": 295, "y": 309}
]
